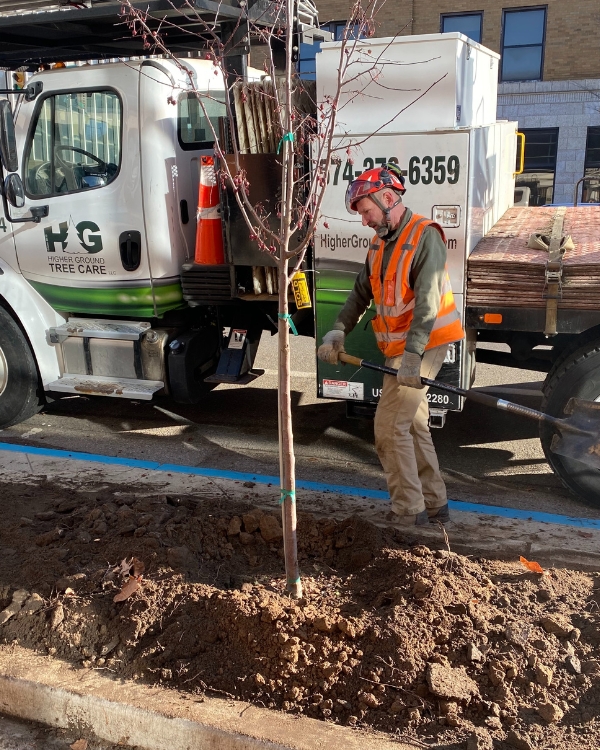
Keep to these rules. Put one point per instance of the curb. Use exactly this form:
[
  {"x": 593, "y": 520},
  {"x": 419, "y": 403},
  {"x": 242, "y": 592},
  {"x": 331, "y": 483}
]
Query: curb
[{"x": 49, "y": 691}]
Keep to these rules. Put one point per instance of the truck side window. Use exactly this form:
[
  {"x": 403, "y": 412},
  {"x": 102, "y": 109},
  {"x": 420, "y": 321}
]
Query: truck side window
[
  {"x": 193, "y": 130},
  {"x": 76, "y": 144}
]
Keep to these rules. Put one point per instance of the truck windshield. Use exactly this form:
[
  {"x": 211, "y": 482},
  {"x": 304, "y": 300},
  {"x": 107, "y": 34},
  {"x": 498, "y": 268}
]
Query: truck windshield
[
  {"x": 193, "y": 129},
  {"x": 75, "y": 143}
]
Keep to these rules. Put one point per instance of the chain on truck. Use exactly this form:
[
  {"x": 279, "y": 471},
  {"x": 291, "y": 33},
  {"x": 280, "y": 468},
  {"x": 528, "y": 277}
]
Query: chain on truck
[{"x": 107, "y": 289}]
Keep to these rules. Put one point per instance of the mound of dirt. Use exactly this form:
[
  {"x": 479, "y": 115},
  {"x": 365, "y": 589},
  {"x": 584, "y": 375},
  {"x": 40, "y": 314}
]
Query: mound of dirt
[{"x": 414, "y": 641}]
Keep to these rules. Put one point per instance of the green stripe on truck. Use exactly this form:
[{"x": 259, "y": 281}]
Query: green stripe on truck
[{"x": 129, "y": 301}]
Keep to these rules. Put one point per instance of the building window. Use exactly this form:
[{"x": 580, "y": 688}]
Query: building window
[
  {"x": 468, "y": 24},
  {"x": 523, "y": 44},
  {"x": 537, "y": 181},
  {"x": 306, "y": 60},
  {"x": 591, "y": 187}
]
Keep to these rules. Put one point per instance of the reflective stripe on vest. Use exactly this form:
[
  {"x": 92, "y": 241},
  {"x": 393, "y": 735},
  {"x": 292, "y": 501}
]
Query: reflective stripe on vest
[{"x": 395, "y": 300}]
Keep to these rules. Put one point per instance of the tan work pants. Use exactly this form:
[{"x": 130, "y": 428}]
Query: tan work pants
[{"x": 403, "y": 441}]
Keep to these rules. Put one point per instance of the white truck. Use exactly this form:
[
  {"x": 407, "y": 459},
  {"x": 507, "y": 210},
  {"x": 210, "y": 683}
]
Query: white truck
[{"x": 99, "y": 293}]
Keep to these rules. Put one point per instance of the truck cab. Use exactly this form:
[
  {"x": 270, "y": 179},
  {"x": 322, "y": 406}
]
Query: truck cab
[{"x": 109, "y": 159}]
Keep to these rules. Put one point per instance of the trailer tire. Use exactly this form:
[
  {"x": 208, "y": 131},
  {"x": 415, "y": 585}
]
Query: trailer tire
[
  {"x": 578, "y": 376},
  {"x": 19, "y": 379}
]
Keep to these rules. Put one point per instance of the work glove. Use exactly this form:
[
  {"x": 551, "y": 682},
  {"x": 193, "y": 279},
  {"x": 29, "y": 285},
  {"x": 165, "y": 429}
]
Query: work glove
[
  {"x": 409, "y": 372},
  {"x": 333, "y": 344}
]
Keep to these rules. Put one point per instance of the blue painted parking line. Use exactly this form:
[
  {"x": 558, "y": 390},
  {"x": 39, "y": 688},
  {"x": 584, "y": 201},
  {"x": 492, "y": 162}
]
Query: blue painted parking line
[{"x": 302, "y": 484}]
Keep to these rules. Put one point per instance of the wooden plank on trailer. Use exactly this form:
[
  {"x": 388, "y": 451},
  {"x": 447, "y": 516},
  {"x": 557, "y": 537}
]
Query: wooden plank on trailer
[
  {"x": 262, "y": 116},
  {"x": 240, "y": 117}
]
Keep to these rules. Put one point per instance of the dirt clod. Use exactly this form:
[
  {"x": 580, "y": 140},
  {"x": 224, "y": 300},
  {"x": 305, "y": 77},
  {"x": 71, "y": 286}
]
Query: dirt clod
[
  {"x": 573, "y": 664},
  {"x": 557, "y": 625},
  {"x": 480, "y": 740},
  {"x": 544, "y": 675},
  {"x": 34, "y": 603},
  {"x": 519, "y": 741},
  {"x": 518, "y": 633},
  {"x": 448, "y": 682},
  {"x": 473, "y": 653},
  {"x": 14, "y": 607},
  {"x": 550, "y": 712},
  {"x": 270, "y": 528}
]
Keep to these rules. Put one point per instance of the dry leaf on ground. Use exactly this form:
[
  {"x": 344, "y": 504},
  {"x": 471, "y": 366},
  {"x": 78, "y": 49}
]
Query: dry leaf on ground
[
  {"x": 531, "y": 565},
  {"x": 79, "y": 745},
  {"x": 125, "y": 566},
  {"x": 128, "y": 588}
]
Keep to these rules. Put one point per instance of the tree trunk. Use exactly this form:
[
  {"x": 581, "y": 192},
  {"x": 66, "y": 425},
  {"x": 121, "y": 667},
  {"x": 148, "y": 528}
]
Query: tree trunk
[{"x": 287, "y": 461}]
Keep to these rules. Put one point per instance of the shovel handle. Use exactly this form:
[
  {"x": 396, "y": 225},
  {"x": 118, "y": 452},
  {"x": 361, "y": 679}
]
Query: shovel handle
[
  {"x": 349, "y": 359},
  {"x": 476, "y": 396},
  {"x": 482, "y": 398}
]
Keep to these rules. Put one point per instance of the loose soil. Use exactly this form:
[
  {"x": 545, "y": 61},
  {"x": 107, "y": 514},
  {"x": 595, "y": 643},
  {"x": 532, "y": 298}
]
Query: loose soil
[{"x": 452, "y": 651}]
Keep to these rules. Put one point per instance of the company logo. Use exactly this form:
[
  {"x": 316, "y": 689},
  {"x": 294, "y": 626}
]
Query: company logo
[{"x": 87, "y": 234}]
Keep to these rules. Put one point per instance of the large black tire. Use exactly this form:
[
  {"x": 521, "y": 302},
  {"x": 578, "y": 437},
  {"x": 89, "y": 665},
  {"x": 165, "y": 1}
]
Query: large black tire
[
  {"x": 576, "y": 343},
  {"x": 19, "y": 379},
  {"x": 577, "y": 376}
]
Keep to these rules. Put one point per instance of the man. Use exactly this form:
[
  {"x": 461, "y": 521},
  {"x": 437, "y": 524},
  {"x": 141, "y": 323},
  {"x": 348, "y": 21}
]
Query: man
[{"x": 405, "y": 274}]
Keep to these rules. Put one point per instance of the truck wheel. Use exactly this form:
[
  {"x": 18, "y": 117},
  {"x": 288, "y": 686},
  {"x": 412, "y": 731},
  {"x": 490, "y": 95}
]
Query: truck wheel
[
  {"x": 579, "y": 377},
  {"x": 579, "y": 341},
  {"x": 19, "y": 381}
]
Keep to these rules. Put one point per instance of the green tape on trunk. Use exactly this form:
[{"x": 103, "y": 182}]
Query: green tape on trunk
[
  {"x": 285, "y": 494},
  {"x": 290, "y": 322}
]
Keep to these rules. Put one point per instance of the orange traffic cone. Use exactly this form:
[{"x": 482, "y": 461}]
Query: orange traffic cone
[{"x": 209, "y": 233}]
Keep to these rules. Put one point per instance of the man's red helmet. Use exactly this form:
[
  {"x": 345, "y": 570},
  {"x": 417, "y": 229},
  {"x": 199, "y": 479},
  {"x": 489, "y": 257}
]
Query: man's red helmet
[{"x": 388, "y": 175}]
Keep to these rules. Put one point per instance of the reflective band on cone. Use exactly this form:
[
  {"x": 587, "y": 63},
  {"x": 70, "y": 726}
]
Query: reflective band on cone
[{"x": 209, "y": 233}]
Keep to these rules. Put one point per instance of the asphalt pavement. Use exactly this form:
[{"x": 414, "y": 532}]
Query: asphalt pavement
[{"x": 29, "y": 735}]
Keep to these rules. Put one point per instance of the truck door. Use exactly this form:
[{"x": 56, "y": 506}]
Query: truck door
[{"x": 81, "y": 159}]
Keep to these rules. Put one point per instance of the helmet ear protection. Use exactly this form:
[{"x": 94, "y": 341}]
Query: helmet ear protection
[{"x": 393, "y": 169}]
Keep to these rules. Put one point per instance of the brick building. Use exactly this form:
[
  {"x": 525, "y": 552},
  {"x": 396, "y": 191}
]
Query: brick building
[{"x": 549, "y": 77}]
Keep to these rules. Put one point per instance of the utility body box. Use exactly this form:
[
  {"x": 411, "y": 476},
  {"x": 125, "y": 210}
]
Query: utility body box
[{"x": 460, "y": 174}]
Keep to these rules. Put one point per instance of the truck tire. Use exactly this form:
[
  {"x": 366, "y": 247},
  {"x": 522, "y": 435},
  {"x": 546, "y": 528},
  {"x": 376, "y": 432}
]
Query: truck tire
[
  {"x": 579, "y": 341},
  {"x": 19, "y": 380},
  {"x": 578, "y": 376}
]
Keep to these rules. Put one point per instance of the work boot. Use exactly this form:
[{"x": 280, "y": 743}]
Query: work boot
[
  {"x": 416, "y": 519},
  {"x": 441, "y": 514}
]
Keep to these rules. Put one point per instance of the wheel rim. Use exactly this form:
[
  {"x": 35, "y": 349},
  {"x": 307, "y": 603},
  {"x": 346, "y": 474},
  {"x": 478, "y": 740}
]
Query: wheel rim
[{"x": 3, "y": 372}]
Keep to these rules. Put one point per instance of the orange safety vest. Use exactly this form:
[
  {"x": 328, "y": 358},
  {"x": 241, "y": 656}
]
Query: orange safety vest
[{"x": 395, "y": 299}]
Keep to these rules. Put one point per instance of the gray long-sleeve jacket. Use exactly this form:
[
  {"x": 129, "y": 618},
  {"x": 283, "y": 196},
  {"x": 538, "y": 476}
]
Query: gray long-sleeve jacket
[{"x": 426, "y": 277}]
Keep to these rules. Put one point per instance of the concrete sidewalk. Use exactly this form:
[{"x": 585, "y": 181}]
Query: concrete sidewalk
[{"x": 493, "y": 531}]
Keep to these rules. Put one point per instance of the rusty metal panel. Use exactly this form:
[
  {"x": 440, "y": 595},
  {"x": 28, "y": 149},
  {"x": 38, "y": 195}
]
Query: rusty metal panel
[{"x": 502, "y": 270}]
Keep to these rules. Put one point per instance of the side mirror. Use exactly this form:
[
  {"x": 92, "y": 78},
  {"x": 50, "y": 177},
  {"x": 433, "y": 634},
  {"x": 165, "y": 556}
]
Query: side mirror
[
  {"x": 8, "y": 141},
  {"x": 13, "y": 189}
]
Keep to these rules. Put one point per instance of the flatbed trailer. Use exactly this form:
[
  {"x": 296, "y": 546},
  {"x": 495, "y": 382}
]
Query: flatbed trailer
[{"x": 546, "y": 308}]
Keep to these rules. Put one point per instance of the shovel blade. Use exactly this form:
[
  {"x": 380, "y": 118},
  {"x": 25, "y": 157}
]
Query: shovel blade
[{"x": 579, "y": 437}]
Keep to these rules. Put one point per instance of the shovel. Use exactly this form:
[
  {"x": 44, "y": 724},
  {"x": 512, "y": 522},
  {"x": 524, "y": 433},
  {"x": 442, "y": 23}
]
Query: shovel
[{"x": 578, "y": 435}]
